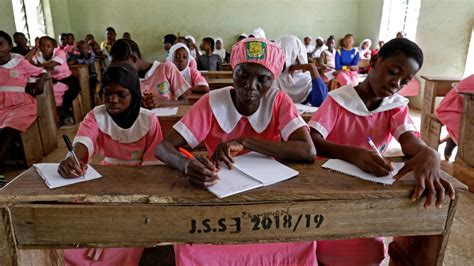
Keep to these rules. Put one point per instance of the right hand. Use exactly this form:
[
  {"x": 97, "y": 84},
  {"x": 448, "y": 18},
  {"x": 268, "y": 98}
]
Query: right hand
[
  {"x": 370, "y": 162},
  {"x": 68, "y": 168},
  {"x": 201, "y": 172}
]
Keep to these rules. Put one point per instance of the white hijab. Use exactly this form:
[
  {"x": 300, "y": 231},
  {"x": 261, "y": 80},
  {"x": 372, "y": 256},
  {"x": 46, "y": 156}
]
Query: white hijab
[
  {"x": 220, "y": 52},
  {"x": 170, "y": 58},
  {"x": 362, "y": 52},
  {"x": 193, "y": 51},
  {"x": 299, "y": 85},
  {"x": 258, "y": 33}
]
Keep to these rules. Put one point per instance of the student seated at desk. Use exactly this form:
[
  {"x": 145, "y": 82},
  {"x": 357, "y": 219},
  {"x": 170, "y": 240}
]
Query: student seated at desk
[
  {"x": 208, "y": 60},
  {"x": 124, "y": 134},
  {"x": 347, "y": 59},
  {"x": 328, "y": 60},
  {"x": 252, "y": 116},
  {"x": 85, "y": 57},
  {"x": 220, "y": 51},
  {"x": 300, "y": 79},
  {"x": 66, "y": 87},
  {"x": 449, "y": 112},
  {"x": 161, "y": 83},
  {"x": 340, "y": 128},
  {"x": 21, "y": 44},
  {"x": 17, "y": 104},
  {"x": 179, "y": 54}
]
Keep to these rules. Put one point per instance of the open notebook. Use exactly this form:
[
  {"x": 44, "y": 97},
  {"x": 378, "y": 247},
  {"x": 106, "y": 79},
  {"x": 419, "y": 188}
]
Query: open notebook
[
  {"x": 251, "y": 170},
  {"x": 50, "y": 175},
  {"x": 352, "y": 170}
]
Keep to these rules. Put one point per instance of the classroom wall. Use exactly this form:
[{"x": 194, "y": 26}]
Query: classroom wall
[
  {"x": 7, "y": 20},
  {"x": 370, "y": 15},
  {"x": 444, "y": 29},
  {"x": 149, "y": 20},
  {"x": 61, "y": 16}
]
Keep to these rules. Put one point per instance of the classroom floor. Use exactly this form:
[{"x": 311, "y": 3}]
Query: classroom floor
[{"x": 460, "y": 250}]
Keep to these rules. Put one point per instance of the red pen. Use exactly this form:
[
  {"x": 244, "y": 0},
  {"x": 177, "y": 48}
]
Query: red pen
[{"x": 186, "y": 153}]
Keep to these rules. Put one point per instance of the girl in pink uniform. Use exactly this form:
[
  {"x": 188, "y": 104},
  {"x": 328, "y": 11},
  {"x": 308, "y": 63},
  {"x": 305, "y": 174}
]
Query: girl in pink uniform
[
  {"x": 180, "y": 56},
  {"x": 449, "y": 112},
  {"x": 161, "y": 83},
  {"x": 17, "y": 103},
  {"x": 251, "y": 116},
  {"x": 340, "y": 129},
  {"x": 66, "y": 87},
  {"x": 124, "y": 134}
]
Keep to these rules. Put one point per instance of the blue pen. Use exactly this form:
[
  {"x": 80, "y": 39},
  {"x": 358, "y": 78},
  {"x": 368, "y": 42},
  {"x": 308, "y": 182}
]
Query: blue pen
[{"x": 371, "y": 143}]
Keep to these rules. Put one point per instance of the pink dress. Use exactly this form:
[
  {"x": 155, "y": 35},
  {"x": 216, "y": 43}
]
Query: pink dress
[
  {"x": 59, "y": 72},
  {"x": 348, "y": 77},
  {"x": 449, "y": 110},
  {"x": 132, "y": 147},
  {"x": 17, "y": 108},
  {"x": 213, "y": 120},
  {"x": 411, "y": 89},
  {"x": 344, "y": 112},
  {"x": 164, "y": 79}
]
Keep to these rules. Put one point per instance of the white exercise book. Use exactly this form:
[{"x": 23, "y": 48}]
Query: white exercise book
[
  {"x": 49, "y": 173},
  {"x": 251, "y": 170},
  {"x": 165, "y": 111},
  {"x": 352, "y": 170},
  {"x": 302, "y": 108}
]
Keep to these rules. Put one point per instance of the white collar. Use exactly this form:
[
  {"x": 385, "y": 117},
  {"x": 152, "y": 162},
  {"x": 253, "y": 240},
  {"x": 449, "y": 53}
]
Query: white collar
[
  {"x": 138, "y": 130},
  {"x": 14, "y": 61},
  {"x": 227, "y": 116},
  {"x": 348, "y": 98},
  {"x": 151, "y": 71}
]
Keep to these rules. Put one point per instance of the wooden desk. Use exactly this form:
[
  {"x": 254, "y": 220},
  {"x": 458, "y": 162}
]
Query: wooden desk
[
  {"x": 156, "y": 205},
  {"x": 226, "y": 67},
  {"x": 167, "y": 122},
  {"x": 82, "y": 73},
  {"x": 194, "y": 97},
  {"x": 430, "y": 126},
  {"x": 464, "y": 164},
  {"x": 220, "y": 83},
  {"x": 210, "y": 75}
]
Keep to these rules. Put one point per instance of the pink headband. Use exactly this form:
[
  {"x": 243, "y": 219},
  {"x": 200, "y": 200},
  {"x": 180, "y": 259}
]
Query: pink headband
[{"x": 260, "y": 51}]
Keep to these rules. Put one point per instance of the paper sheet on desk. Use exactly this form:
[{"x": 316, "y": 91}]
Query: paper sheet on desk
[
  {"x": 305, "y": 108},
  {"x": 50, "y": 175},
  {"x": 352, "y": 170},
  {"x": 165, "y": 111}
]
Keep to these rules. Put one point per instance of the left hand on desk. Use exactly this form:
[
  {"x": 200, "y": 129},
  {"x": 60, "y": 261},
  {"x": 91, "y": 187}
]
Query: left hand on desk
[
  {"x": 426, "y": 169},
  {"x": 151, "y": 101},
  {"x": 225, "y": 151}
]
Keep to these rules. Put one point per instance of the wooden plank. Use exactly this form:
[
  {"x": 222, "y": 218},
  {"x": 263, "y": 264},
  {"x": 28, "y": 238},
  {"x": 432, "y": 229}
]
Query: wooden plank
[
  {"x": 40, "y": 257},
  {"x": 220, "y": 83},
  {"x": 32, "y": 146},
  {"x": 423, "y": 250},
  {"x": 464, "y": 173},
  {"x": 226, "y": 67},
  {"x": 82, "y": 72},
  {"x": 77, "y": 108},
  {"x": 466, "y": 134},
  {"x": 164, "y": 185},
  {"x": 7, "y": 243},
  {"x": 210, "y": 75},
  {"x": 54, "y": 225},
  {"x": 432, "y": 130},
  {"x": 47, "y": 119}
]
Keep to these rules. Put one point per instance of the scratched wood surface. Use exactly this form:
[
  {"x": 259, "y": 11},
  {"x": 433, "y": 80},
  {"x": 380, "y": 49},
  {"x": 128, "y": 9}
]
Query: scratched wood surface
[
  {"x": 210, "y": 75},
  {"x": 162, "y": 184}
]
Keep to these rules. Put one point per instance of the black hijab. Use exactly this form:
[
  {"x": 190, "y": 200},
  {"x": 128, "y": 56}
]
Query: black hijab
[{"x": 125, "y": 75}]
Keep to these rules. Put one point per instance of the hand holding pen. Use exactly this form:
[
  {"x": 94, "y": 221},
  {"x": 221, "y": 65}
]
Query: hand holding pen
[{"x": 71, "y": 167}]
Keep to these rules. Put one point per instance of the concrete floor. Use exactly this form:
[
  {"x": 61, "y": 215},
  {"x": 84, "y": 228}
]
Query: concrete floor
[{"x": 460, "y": 250}]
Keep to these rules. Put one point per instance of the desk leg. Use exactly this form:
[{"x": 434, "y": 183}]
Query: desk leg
[
  {"x": 422, "y": 250},
  {"x": 7, "y": 243}
]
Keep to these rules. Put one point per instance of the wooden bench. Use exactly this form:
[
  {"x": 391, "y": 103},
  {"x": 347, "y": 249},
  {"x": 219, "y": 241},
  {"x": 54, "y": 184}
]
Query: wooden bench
[
  {"x": 155, "y": 205},
  {"x": 464, "y": 163},
  {"x": 430, "y": 125},
  {"x": 226, "y": 67},
  {"x": 210, "y": 75},
  {"x": 82, "y": 73}
]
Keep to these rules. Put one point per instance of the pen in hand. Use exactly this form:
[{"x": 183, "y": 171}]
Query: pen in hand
[{"x": 70, "y": 149}]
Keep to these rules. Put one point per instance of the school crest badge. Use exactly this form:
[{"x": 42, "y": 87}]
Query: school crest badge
[
  {"x": 163, "y": 88},
  {"x": 256, "y": 50}
]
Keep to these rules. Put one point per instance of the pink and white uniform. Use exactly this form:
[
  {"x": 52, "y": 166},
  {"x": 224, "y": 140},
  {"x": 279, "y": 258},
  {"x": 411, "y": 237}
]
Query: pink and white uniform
[
  {"x": 343, "y": 113},
  {"x": 164, "y": 79},
  {"x": 132, "y": 147},
  {"x": 449, "y": 110},
  {"x": 214, "y": 119},
  {"x": 191, "y": 74},
  {"x": 17, "y": 108},
  {"x": 59, "y": 72}
]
